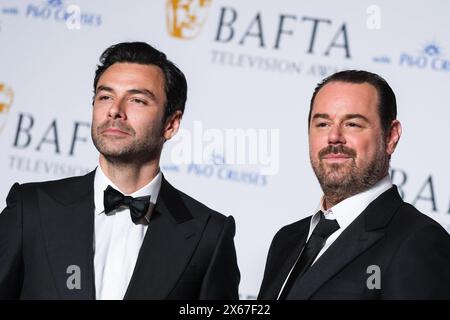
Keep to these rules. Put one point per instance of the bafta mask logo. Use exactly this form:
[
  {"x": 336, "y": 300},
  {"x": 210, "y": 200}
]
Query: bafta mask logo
[
  {"x": 6, "y": 100},
  {"x": 185, "y": 18}
]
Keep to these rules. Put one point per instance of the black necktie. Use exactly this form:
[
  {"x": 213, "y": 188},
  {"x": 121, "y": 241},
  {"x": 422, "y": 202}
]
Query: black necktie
[
  {"x": 321, "y": 232},
  {"x": 112, "y": 199}
]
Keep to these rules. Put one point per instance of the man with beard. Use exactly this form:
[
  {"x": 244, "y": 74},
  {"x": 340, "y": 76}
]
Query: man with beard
[
  {"x": 121, "y": 231},
  {"x": 364, "y": 242}
]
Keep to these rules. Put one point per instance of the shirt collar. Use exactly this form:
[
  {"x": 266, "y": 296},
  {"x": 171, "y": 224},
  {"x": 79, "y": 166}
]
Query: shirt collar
[
  {"x": 101, "y": 182},
  {"x": 347, "y": 210}
]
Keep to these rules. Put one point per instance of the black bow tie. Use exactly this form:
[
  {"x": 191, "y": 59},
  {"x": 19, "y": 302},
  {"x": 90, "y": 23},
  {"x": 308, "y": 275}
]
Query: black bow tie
[{"x": 113, "y": 199}]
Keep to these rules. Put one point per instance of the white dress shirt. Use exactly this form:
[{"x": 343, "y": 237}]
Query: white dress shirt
[
  {"x": 345, "y": 212},
  {"x": 117, "y": 239}
]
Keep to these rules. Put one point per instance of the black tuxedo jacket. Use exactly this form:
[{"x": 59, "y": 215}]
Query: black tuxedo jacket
[
  {"x": 187, "y": 253},
  {"x": 411, "y": 251}
]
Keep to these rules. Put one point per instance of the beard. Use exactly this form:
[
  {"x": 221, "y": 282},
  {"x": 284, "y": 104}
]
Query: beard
[
  {"x": 341, "y": 181},
  {"x": 120, "y": 150}
]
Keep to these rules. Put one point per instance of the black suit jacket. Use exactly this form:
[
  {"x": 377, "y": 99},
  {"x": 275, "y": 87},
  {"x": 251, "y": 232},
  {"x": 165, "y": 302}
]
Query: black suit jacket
[
  {"x": 411, "y": 250},
  {"x": 187, "y": 253}
]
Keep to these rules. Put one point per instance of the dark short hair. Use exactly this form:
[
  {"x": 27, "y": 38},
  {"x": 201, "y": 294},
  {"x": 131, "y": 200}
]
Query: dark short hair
[
  {"x": 175, "y": 85},
  {"x": 387, "y": 104}
]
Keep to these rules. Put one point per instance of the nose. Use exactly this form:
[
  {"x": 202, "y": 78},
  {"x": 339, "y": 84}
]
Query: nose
[
  {"x": 336, "y": 136},
  {"x": 117, "y": 110}
]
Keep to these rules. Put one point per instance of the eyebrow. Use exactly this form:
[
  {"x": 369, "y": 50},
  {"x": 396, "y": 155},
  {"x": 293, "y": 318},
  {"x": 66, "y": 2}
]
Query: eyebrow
[
  {"x": 346, "y": 117},
  {"x": 145, "y": 92}
]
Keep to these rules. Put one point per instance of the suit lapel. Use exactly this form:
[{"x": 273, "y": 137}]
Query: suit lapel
[
  {"x": 351, "y": 243},
  {"x": 67, "y": 218},
  {"x": 291, "y": 244},
  {"x": 359, "y": 236},
  {"x": 170, "y": 241}
]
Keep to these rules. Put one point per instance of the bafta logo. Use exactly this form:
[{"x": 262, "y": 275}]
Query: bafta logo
[
  {"x": 6, "y": 100},
  {"x": 185, "y": 18}
]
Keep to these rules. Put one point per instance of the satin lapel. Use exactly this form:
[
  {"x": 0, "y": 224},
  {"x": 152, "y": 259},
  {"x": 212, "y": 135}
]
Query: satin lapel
[
  {"x": 171, "y": 238},
  {"x": 67, "y": 218}
]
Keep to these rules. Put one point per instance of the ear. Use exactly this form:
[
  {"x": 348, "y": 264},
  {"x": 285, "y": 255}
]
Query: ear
[
  {"x": 393, "y": 137},
  {"x": 172, "y": 125}
]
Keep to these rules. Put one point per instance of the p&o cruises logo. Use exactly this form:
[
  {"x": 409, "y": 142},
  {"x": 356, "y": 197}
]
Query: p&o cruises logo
[
  {"x": 430, "y": 57},
  {"x": 73, "y": 16}
]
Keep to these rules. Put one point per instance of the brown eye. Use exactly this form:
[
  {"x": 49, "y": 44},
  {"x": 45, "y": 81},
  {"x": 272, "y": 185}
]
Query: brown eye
[
  {"x": 353, "y": 125},
  {"x": 139, "y": 101}
]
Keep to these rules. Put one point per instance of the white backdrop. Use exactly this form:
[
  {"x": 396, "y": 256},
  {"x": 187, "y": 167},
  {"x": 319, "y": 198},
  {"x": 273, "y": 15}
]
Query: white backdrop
[{"x": 251, "y": 68}]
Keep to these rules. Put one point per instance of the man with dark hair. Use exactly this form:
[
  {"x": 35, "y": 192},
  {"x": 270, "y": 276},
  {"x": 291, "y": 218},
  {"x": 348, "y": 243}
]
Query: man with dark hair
[
  {"x": 121, "y": 231},
  {"x": 364, "y": 242}
]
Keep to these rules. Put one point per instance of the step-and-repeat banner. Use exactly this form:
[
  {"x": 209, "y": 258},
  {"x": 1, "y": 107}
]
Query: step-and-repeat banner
[{"x": 251, "y": 68}]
